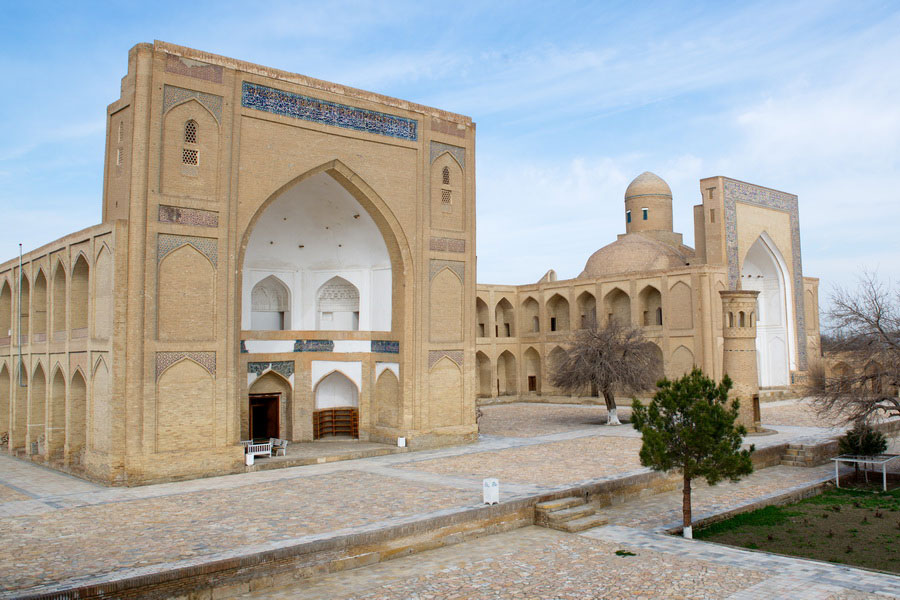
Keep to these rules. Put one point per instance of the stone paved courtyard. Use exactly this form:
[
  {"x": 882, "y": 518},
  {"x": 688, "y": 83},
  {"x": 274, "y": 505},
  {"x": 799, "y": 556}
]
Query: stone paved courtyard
[{"x": 50, "y": 534}]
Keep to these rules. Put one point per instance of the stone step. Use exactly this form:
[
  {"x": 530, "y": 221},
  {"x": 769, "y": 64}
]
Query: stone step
[
  {"x": 588, "y": 522},
  {"x": 793, "y": 463},
  {"x": 570, "y": 514},
  {"x": 559, "y": 503}
]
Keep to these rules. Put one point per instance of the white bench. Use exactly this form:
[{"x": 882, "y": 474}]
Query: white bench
[
  {"x": 279, "y": 445},
  {"x": 258, "y": 449}
]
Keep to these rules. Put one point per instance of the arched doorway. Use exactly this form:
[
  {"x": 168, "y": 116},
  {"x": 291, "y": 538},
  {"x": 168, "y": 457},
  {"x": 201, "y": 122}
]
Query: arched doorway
[
  {"x": 532, "y": 371},
  {"x": 484, "y": 374},
  {"x": 337, "y": 407},
  {"x": 764, "y": 270},
  {"x": 506, "y": 374}
]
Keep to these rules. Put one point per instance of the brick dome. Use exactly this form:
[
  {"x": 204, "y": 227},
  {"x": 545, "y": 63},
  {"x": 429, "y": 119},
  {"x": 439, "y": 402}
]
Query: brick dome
[
  {"x": 632, "y": 253},
  {"x": 648, "y": 184}
]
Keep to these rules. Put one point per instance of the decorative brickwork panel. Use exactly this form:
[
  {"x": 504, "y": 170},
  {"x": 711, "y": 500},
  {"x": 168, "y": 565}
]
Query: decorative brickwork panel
[
  {"x": 443, "y": 244},
  {"x": 282, "y": 367},
  {"x": 447, "y": 127},
  {"x": 209, "y": 247},
  {"x": 288, "y": 104},
  {"x": 437, "y": 148},
  {"x": 386, "y": 346},
  {"x": 456, "y": 266},
  {"x": 193, "y": 68},
  {"x": 436, "y": 355},
  {"x": 175, "y": 95},
  {"x": 188, "y": 216},
  {"x": 164, "y": 360},
  {"x": 313, "y": 346},
  {"x": 737, "y": 191}
]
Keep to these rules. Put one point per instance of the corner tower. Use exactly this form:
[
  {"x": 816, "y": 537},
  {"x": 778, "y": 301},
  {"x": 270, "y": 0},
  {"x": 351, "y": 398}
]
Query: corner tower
[{"x": 739, "y": 352}]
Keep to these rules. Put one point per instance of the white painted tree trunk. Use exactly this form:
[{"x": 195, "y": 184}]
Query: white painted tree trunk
[
  {"x": 613, "y": 418},
  {"x": 689, "y": 533}
]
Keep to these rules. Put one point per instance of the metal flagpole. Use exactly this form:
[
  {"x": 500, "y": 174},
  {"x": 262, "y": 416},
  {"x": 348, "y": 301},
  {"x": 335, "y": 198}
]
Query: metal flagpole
[{"x": 19, "y": 322}]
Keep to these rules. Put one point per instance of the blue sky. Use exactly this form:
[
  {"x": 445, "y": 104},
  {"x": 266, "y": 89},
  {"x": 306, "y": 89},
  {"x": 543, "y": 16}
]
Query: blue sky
[{"x": 572, "y": 100}]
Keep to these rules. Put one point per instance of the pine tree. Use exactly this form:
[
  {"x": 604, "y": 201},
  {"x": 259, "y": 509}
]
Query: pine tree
[{"x": 689, "y": 426}]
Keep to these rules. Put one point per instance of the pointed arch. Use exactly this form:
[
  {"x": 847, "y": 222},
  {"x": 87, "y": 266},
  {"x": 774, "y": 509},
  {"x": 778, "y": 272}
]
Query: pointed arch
[
  {"x": 764, "y": 269},
  {"x": 531, "y": 316},
  {"x": 337, "y": 305},
  {"x": 56, "y": 427},
  {"x": 186, "y": 296},
  {"x": 504, "y": 319},
  {"x": 59, "y": 297},
  {"x": 506, "y": 374},
  {"x": 532, "y": 369},
  {"x": 270, "y": 308},
  {"x": 19, "y": 401},
  {"x": 558, "y": 313},
  {"x": 335, "y": 390},
  {"x": 445, "y": 394},
  {"x": 39, "y": 307},
  {"x": 103, "y": 294},
  {"x": 587, "y": 309},
  {"x": 6, "y": 304},
  {"x": 270, "y": 384},
  {"x": 681, "y": 309},
  {"x": 184, "y": 415},
  {"x": 618, "y": 306},
  {"x": 482, "y": 316},
  {"x": 76, "y": 417},
  {"x": 483, "y": 366},
  {"x": 446, "y": 306},
  {"x": 78, "y": 295},
  {"x": 385, "y": 220},
  {"x": 387, "y": 399},
  {"x": 651, "y": 306},
  {"x": 37, "y": 410},
  {"x": 681, "y": 363},
  {"x": 24, "y": 307}
]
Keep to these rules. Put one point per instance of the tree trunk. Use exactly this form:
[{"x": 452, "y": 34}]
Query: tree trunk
[
  {"x": 686, "y": 508},
  {"x": 612, "y": 416}
]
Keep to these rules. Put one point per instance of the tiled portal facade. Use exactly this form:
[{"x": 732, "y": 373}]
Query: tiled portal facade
[{"x": 136, "y": 364}]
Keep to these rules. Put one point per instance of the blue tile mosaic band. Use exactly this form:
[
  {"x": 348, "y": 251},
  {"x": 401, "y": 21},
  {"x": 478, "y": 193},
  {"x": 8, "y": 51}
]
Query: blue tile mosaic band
[
  {"x": 287, "y": 104},
  {"x": 746, "y": 193},
  {"x": 282, "y": 367},
  {"x": 313, "y": 346},
  {"x": 386, "y": 346}
]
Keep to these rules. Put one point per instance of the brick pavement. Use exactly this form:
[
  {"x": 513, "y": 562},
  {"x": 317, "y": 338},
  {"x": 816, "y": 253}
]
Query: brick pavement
[{"x": 48, "y": 520}]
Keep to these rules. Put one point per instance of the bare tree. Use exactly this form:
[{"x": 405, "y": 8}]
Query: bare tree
[
  {"x": 865, "y": 337},
  {"x": 611, "y": 358}
]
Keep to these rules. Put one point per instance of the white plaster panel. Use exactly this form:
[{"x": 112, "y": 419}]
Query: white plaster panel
[
  {"x": 269, "y": 346},
  {"x": 321, "y": 368},
  {"x": 352, "y": 346},
  {"x": 381, "y": 366}
]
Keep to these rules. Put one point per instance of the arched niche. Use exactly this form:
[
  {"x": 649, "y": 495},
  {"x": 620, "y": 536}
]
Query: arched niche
[
  {"x": 191, "y": 151},
  {"x": 445, "y": 306},
  {"x": 100, "y": 408},
  {"x": 337, "y": 306},
  {"x": 24, "y": 304},
  {"x": 506, "y": 374},
  {"x": 76, "y": 418},
  {"x": 270, "y": 305},
  {"x": 336, "y": 390},
  {"x": 185, "y": 395},
  {"x": 558, "y": 313},
  {"x": 37, "y": 415},
  {"x": 56, "y": 428},
  {"x": 651, "y": 307},
  {"x": 5, "y": 397},
  {"x": 531, "y": 319},
  {"x": 587, "y": 310},
  {"x": 186, "y": 292},
  {"x": 78, "y": 296},
  {"x": 618, "y": 307},
  {"x": 448, "y": 206},
  {"x": 103, "y": 294},
  {"x": 483, "y": 365},
  {"x": 765, "y": 270},
  {"x": 681, "y": 308},
  {"x": 39, "y": 307},
  {"x": 532, "y": 364},
  {"x": 482, "y": 315},
  {"x": 681, "y": 363},
  {"x": 59, "y": 297},
  {"x": 504, "y": 319},
  {"x": 6, "y": 312},
  {"x": 325, "y": 224},
  {"x": 445, "y": 389},
  {"x": 387, "y": 399}
]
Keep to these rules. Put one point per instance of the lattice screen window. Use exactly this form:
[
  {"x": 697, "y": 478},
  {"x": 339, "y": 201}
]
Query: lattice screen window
[
  {"x": 118, "y": 157},
  {"x": 445, "y": 196},
  {"x": 445, "y": 176},
  {"x": 190, "y": 156},
  {"x": 190, "y": 132},
  {"x": 121, "y": 132}
]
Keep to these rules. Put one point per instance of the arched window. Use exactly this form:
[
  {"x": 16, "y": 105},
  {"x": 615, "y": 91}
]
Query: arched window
[
  {"x": 189, "y": 155},
  {"x": 731, "y": 319},
  {"x": 741, "y": 319},
  {"x": 190, "y": 132},
  {"x": 445, "y": 176}
]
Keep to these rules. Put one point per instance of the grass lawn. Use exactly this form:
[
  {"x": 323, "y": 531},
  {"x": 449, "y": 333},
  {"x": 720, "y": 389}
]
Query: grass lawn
[{"x": 842, "y": 526}]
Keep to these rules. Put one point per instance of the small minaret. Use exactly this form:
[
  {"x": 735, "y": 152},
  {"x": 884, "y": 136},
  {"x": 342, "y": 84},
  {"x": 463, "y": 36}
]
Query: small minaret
[{"x": 739, "y": 360}]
